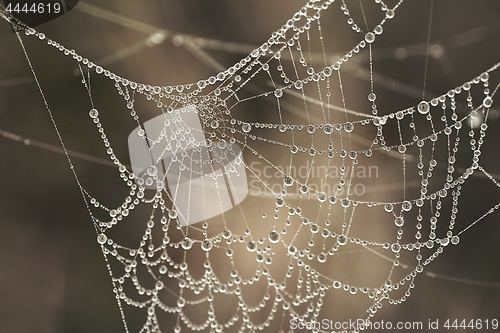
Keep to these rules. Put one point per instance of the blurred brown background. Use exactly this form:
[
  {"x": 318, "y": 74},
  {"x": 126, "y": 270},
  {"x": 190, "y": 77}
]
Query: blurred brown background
[{"x": 52, "y": 274}]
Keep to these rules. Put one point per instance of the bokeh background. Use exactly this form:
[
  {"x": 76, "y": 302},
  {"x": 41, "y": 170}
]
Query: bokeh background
[{"x": 52, "y": 273}]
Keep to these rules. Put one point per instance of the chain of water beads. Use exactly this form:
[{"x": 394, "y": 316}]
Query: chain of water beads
[
  {"x": 342, "y": 240},
  {"x": 263, "y": 255}
]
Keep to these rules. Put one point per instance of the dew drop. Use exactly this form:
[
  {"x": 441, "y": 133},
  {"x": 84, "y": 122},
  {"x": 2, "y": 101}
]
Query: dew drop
[
  {"x": 345, "y": 202},
  {"x": 206, "y": 245},
  {"x": 406, "y": 206},
  {"x": 396, "y": 247},
  {"x": 348, "y": 127},
  {"x": 321, "y": 257},
  {"x": 423, "y": 107},
  {"x": 172, "y": 213},
  {"x": 288, "y": 181},
  {"x": 487, "y": 102},
  {"x": 159, "y": 285},
  {"x": 227, "y": 234},
  {"x": 251, "y": 246},
  {"x": 93, "y": 113},
  {"x": 274, "y": 236},
  {"x": 370, "y": 37},
  {"x": 327, "y": 71},
  {"x": 388, "y": 207},
  {"x": 328, "y": 129},
  {"x": 342, "y": 240},
  {"x": 181, "y": 302},
  {"x": 102, "y": 238},
  {"x": 246, "y": 127},
  {"x": 314, "y": 228},
  {"x": 186, "y": 243},
  {"x": 484, "y": 77}
]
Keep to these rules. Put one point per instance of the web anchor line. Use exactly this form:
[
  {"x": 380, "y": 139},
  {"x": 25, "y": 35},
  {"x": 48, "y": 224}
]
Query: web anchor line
[{"x": 199, "y": 243}]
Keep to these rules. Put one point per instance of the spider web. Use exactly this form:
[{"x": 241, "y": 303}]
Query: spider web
[{"x": 324, "y": 241}]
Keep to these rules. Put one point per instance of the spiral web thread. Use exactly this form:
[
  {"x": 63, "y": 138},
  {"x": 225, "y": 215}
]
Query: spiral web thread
[{"x": 290, "y": 250}]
